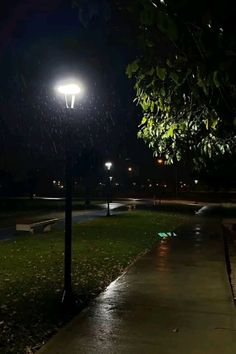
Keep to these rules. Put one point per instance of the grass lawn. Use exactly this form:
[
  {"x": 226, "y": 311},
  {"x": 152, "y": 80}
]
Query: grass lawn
[{"x": 31, "y": 273}]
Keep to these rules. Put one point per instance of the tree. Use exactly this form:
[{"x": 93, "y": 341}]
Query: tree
[
  {"x": 185, "y": 77},
  {"x": 184, "y": 72}
]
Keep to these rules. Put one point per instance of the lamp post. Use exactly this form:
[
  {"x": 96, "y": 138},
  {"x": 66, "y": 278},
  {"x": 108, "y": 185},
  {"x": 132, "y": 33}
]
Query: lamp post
[
  {"x": 69, "y": 90},
  {"x": 108, "y": 166}
]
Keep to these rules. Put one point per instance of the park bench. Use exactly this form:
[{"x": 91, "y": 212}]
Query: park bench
[{"x": 44, "y": 225}]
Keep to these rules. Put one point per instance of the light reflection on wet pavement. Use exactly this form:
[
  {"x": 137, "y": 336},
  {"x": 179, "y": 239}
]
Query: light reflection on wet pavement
[{"x": 175, "y": 299}]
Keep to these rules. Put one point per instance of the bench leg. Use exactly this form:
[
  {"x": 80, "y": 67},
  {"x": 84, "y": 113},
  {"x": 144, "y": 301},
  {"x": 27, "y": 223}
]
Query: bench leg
[{"x": 47, "y": 228}]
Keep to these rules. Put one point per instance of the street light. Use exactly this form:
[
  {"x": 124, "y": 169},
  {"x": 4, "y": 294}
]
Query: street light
[
  {"x": 108, "y": 166},
  {"x": 70, "y": 90}
]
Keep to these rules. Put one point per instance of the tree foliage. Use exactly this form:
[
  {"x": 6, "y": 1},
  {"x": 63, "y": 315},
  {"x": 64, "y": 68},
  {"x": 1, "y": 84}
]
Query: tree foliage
[
  {"x": 184, "y": 71},
  {"x": 185, "y": 77}
]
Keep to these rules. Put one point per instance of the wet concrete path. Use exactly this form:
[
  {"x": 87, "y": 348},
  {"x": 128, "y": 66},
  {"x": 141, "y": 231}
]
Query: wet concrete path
[{"x": 174, "y": 300}]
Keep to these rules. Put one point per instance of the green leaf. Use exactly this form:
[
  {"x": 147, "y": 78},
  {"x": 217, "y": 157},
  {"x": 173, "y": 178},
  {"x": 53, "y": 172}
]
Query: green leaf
[
  {"x": 214, "y": 123},
  {"x": 152, "y": 107},
  {"x": 144, "y": 120},
  {"x": 151, "y": 71},
  {"x": 175, "y": 77},
  {"x": 132, "y": 68},
  {"x": 161, "y": 73},
  {"x": 168, "y": 62},
  {"x": 206, "y": 121},
  {"x": 163, "y": 92},
  {"x": 170, "y": 132},
  {"x": 215, "y": 79}
]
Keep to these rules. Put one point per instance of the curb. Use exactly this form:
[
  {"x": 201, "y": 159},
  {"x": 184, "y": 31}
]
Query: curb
[{"x": 230, "y": 264}]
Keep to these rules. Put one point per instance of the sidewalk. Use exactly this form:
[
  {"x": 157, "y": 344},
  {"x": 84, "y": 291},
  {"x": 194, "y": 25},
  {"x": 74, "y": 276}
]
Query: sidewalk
[{"x": 174, "y": 300}]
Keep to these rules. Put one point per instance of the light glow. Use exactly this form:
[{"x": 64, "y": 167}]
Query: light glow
[
  {"x": 69, "y": 90},
  {"x": 108, "y": 165}
]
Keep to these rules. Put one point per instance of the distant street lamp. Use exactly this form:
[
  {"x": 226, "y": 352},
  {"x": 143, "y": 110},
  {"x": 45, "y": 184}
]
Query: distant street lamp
[
  {"x": 160, "y": 161},
  {"x": 70, "y": 90},
  {"x": 108, "y": 166}
]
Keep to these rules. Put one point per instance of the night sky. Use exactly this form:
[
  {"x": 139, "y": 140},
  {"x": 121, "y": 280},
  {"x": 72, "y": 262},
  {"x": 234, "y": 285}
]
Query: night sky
[{"x": 42, "y": 42}]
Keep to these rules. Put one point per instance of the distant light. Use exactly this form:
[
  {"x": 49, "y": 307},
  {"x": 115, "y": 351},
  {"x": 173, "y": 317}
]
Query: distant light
[
  {"x": 196, "y": 181},
  {"x": 162, "y": 2},
  {"x": 165, "y": 185},
  {"x": 108, "y": 165},
  {"x": 150, "y": 185},
  {"x": 209, "y": 25},
  {"x": 166, "y": 234},
  {"x": 110, "y": 178},
  {"x": 153, "y": 3},
  {"x": 117, "y": 184},
  {"x": 157, "y": 184},
  {"x": 130, "y": 169},
  {"x": 221, "y": 30},
  {"x": 54, "y": 182},
  {"x": 160, "y": 161}
]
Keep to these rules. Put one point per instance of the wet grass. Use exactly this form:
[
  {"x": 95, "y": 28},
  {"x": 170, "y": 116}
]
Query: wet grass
[{"x": 31, "y": 274}]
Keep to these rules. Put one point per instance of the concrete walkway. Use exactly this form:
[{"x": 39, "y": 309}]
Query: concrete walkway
[{"x": 174, "y": 300}]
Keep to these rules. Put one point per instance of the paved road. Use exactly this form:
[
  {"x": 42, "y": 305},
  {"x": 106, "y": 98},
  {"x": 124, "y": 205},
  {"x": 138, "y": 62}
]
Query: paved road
[{"x": 174, "y": 300}]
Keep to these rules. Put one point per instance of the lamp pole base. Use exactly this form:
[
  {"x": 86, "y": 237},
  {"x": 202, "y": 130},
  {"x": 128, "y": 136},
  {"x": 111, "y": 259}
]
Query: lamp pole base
[{"x": 68, "y": 300}]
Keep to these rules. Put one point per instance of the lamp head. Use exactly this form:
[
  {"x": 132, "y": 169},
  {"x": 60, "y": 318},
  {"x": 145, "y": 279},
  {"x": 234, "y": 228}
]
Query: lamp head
[
  {"x": 108, "y": 165},
  {"x": 69, "y": 89}
]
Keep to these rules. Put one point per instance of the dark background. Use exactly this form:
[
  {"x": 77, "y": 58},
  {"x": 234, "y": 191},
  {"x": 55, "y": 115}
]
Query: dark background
[{"x": 42, "y": 42}]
